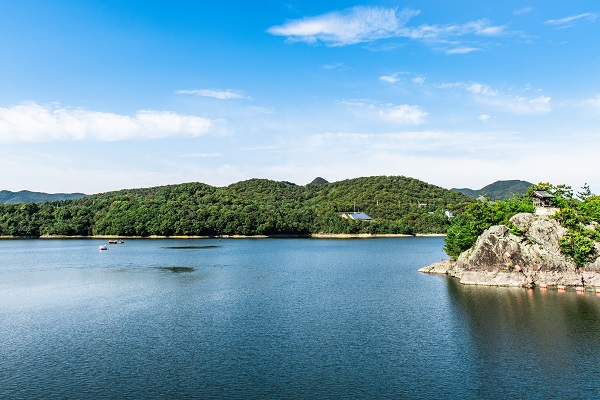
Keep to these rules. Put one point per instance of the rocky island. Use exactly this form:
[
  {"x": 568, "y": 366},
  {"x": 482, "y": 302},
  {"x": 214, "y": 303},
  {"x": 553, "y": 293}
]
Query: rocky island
[
  {"x": 546, "y": 237},
  {"x": 534, "y": 257}
]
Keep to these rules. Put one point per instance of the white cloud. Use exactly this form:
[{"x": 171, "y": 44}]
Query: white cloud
[
  {"x": 227, "y": 94},
  {"x": 367, "y": 24},
  {"x": 396, "y": 77},
  {"x": 462, "y": 50},
  {"x": 484, "y": 117},
  {"x": 478, "y": 88},
  {"x": 482, "y": 27},
  {"x": 31, "y": 122},
  {"x": 513, "y": 103},
  {"x": 359, "y": 103},
  {"x": 390, "y": 78},
  {"x": 569, "y": 21},
  {"x": 419, "y": 80},
  {"x": 404, "y": 115},
  {"x": 340, "y": 28}
]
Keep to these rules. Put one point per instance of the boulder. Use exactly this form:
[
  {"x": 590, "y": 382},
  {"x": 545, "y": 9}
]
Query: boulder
[{"x": 442, "y": 267}]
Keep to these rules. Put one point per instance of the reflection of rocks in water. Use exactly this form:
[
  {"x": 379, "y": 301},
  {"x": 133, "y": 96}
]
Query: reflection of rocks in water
[
  {"x": 190, "y": 247},
  {"x": 178, "y": 269},
  {"x": 544, "y": 326}
]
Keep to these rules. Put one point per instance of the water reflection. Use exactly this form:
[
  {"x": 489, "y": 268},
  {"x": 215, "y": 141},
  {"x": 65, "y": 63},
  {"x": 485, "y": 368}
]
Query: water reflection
[
  {"x": 178, "y": 270},
  {"x": 545, "y": 337},
  {"x": 190, "y": 247}
]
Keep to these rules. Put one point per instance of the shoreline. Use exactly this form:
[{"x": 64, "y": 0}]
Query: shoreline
[
  {"x": 283, "y": 236},
  {"x": 583, "y": 280}
]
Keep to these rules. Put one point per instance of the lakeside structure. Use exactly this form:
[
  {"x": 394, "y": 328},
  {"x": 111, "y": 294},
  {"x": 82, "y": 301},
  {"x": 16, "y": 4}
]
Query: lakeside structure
[{"x": 542, "y": 204}]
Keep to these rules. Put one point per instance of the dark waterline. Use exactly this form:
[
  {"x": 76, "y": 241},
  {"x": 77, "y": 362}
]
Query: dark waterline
[{"x": 294, "y": 318}]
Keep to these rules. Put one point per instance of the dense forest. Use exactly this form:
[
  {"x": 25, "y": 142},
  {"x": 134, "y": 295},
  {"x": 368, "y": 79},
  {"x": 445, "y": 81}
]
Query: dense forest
[
  {"x": 579, "y": 214},
  {"x": 397, "y": 205}
]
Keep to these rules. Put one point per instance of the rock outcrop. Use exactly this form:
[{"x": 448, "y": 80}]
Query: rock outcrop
[{"x": 500, "y": 258}]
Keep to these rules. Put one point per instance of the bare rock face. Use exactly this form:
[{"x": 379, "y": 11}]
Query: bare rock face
[
  {"x": 501, "y": 258},
  {"x": 546, "y": 233},
  {"x": 442, "y": 267},
  {"x": 523, "y": 221}
]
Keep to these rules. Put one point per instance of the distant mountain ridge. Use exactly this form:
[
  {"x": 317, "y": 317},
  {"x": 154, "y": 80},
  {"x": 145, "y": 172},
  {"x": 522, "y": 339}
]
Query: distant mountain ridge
[
  {"x": 25, "y": 196},
  {"x": 499, "y": 190}
]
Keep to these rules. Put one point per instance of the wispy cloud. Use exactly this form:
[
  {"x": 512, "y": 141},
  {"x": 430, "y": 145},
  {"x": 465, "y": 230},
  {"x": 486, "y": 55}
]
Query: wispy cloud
[
  {"x": 513, "y": 103},
  {"x": 389, "y": 78},
  {"x": 523, "y": 11},
  {"x": 482, "y": 27},
  {"x": 226, "y": 94},
  {"x": 368, "y": 24},
  {"x": 571, "y": 20},
  {"x": 32, "y": 122},
  {"x": 412, "y": 142},
  {"x": 397, "y": 77},
  {"x": 594, "y": 102},
  {"x": 201, "y": 155},
  {"x": 341, "y": 28},
  {"x": 462, "y": 50},
  {"x": 393, "y": 78},
  {"x": 338, "y": 65},
  {"x": 260, "y": 110},
  {"x": 419, "y": 80},
  {"x": 404, "y": 115}
]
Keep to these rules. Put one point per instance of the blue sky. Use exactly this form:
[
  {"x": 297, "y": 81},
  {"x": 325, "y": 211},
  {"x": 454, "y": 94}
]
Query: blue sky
[{"x": 106, "y": 95}]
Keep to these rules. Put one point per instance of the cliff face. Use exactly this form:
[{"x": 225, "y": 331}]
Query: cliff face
[{"x": 500, "y": 258}]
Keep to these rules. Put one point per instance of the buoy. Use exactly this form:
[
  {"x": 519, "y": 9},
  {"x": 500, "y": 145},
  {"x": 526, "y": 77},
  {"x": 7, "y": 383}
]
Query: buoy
[
  {"x": 544, "y": 286},
  {"x": 561, "y": 287}
]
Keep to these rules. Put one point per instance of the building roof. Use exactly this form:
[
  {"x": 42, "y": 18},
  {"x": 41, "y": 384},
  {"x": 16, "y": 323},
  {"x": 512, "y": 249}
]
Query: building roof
[
  {"x": 359, "y": 215},
  {"x": 542, "y": 194}
]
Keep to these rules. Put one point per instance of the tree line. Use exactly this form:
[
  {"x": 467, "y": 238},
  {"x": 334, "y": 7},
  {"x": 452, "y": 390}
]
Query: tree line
[{"x": 397, "y": 204}]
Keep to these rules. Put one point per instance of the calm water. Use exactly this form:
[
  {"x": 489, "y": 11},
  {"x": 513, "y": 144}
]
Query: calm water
[{"x": 279, "y": 318}]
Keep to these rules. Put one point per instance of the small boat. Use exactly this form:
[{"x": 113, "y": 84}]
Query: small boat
[
  {"x": 102, "y": 247},
  {"x": 121, "y": 241},
  {"x": 112, "y": 242}
]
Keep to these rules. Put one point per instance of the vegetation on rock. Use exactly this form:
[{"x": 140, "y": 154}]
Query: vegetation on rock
[{"x": 580, "y": 215}]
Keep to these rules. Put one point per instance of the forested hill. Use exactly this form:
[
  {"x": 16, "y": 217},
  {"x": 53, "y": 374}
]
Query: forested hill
[
  {"x": 254, "y": 207},
  {"x": 499, "y": 190},
  {"x": 25, "y": 196}
]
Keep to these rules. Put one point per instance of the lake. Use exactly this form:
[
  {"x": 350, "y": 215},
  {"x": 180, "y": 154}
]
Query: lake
[{"x": 279, "y": 319}]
